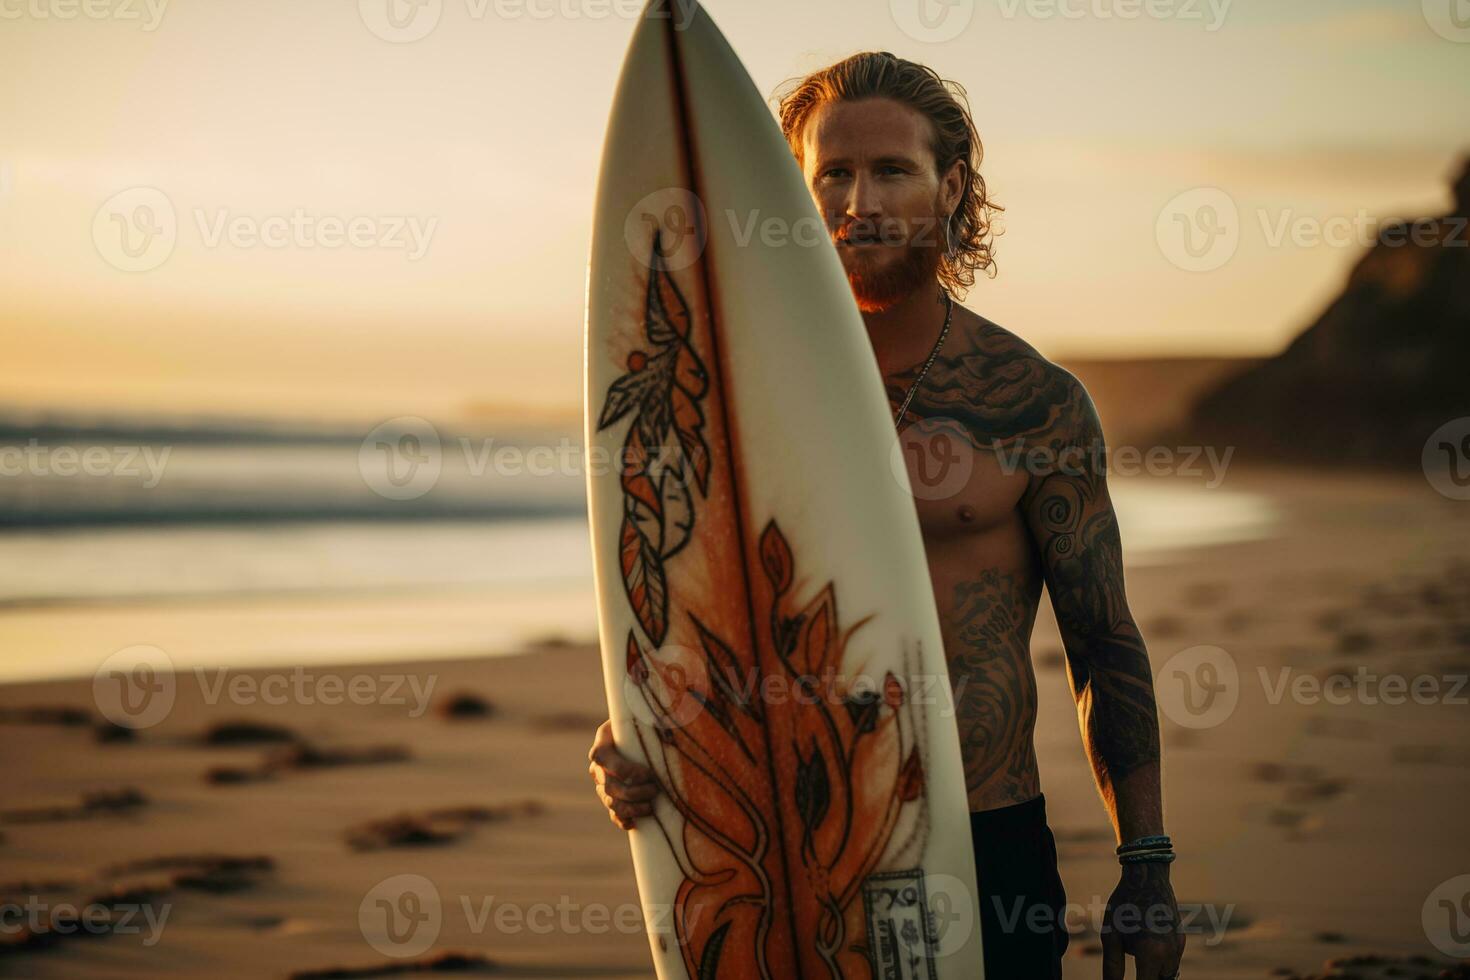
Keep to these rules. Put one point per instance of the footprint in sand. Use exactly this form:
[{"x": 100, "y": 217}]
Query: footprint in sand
[
  {"x": 465, "y": 705},
  {"x": 1380, "y": 968},
  {"x": 462, "y": 963},
  {"x": 439, "y": 826},
  {"x": 112, "y": 802},
  {"x": 301, "y": 755},
  {"x": 1303, "y": 786},
  {"x": 122, "y": 889}
]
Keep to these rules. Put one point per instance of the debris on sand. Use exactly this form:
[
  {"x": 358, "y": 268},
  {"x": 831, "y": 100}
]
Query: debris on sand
[
  {"x": 99, "y": 803},
  {"x": 464, "y": 705},
  {"x": 431, "y": 827},
  {"x": 443, "y": 963}
]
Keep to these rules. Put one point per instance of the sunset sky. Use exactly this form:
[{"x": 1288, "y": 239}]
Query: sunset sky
[{"x": 485, "y": 135}]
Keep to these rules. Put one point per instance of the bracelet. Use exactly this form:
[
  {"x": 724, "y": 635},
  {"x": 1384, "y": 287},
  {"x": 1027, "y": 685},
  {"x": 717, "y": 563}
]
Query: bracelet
[{"x": 1153, "y": 849}]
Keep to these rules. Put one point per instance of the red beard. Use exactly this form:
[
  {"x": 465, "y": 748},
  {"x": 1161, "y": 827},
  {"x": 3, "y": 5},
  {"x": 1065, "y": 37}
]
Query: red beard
[{"x": 878, "y": 289}]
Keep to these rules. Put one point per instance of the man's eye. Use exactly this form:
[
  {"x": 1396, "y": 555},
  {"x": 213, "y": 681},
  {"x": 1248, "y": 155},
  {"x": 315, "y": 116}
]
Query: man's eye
[{"x": 835, "y": 172}]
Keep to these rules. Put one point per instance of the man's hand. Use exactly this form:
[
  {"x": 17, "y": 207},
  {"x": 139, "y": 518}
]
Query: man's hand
[
  {"x": 1142, "y": 921},
  {"x": 625, "y": 788}
]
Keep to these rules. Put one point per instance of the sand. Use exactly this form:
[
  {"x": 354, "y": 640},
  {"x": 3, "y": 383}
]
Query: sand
[{"x": 1308, "y": 832}]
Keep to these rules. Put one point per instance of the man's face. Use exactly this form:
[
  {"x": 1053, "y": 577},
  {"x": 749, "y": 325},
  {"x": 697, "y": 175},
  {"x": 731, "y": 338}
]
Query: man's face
[{"x": 869, "y": 167}]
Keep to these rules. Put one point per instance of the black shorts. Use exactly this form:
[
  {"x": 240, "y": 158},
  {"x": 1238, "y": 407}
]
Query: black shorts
[{"x": 1022, "y": 902}]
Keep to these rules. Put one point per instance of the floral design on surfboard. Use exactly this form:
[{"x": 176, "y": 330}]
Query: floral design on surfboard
[
  {"x": 793, "y": 781},
  {"x": 662, "y": 389}
]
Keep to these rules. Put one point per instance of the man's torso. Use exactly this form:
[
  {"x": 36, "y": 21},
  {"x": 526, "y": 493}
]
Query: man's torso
[{"x": 987, "y": 395}]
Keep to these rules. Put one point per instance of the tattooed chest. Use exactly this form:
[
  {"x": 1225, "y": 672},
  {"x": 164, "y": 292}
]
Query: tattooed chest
[
  {"x": 960, "y": 488},
  {"x": 998, "y": 394}
]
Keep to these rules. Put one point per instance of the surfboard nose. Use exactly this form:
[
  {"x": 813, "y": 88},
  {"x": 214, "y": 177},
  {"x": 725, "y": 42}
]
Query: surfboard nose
[{"x": 675, "y": 15}]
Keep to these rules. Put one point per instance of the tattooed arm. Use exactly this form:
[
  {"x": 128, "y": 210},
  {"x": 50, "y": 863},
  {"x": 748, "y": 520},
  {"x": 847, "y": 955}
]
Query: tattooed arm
[{"x": 1070, "y": 517}]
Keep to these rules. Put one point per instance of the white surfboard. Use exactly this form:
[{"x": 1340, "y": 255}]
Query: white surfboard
[{"x": 768, "y": 627}]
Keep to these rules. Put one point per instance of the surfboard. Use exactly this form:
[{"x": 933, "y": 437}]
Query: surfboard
[{"x": 768, "y": 629}]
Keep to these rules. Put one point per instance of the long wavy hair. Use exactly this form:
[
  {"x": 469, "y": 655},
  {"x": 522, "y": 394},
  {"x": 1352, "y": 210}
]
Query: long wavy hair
[{"x": 872, "y": 74}]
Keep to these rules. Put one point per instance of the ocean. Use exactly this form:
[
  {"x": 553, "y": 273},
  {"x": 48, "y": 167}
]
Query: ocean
[{"x": 249, "y": 553}]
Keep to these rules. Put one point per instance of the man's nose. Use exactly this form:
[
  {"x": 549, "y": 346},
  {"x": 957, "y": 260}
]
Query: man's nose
[{"x": 862, "y": 199}]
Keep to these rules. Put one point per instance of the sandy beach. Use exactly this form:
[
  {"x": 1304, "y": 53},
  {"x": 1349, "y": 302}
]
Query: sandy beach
[
  {"x": 332, "y": 324},
  {"x": 263, "y": 824}
]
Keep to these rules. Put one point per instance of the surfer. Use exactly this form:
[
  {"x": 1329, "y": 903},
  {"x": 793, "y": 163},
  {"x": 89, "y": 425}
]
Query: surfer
[{"x": 1005, "y": 454}]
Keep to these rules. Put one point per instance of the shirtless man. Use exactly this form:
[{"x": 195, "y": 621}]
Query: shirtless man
[{"x": 891, "y": 158}]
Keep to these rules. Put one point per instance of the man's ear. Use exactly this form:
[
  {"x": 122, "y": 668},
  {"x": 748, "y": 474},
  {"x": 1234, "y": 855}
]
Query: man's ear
[{"x": 953, "y": 184}]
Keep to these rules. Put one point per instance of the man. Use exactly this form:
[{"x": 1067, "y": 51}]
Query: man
[{"x": 891, "y": 157}]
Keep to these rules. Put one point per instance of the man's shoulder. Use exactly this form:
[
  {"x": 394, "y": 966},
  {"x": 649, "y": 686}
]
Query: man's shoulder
[
  {"x": 990, "y": 337},
  {"x": 1009, "y": 376}
]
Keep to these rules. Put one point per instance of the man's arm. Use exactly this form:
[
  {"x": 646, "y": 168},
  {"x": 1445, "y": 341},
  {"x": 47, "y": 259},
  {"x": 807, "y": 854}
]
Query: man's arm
[
  {"x": 1070, "y": 516},
  {"x": 1071, "y": 519}
]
